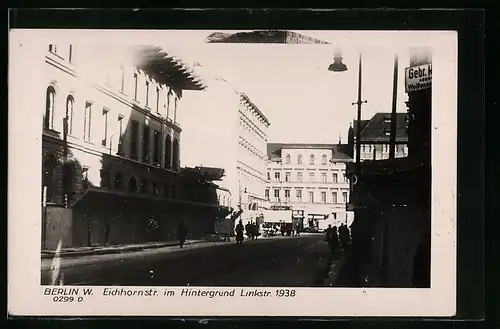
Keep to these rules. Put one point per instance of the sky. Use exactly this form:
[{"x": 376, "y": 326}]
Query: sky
[{"x": 292, "y": 86}]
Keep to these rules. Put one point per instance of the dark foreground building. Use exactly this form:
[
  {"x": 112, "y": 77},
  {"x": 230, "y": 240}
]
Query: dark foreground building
[{"x": 392, "y": 201}]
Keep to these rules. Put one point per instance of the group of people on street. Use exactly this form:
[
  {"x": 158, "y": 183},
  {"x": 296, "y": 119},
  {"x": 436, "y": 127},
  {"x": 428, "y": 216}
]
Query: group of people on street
[
  {"x": 251, "y": 228},
  {"x": 337, "y": 238}
]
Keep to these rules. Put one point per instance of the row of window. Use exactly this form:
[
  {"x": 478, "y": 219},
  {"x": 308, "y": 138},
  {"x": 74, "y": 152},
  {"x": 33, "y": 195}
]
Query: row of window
[
  {"x": 311, "y": 199},
  {"x": 143, "y": 186},
  {"x": 324, "y": 159},
  {"x": 224, "y": 201},
  {"x": 134, "y": 133},
  {"x": 312, "y": 177},
  {"x": 385, "y": 148},
  {"x": 63, "y": 52},
  {"x": 247, "y": 127},
  {"x": 171, "y": 99}
]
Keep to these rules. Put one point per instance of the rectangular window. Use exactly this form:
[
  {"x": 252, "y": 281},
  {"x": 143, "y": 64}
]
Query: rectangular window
[
  {"x": 287, "y": 195},
  {"x": 311, "y": 197},
  {"x": 156, "y": 145},
  {"x": 335, "y": 178},
  {"x": 268, "y": 176},
  {"x": 344, "y": 197},
  {"x": 299, "y": 195},
  {"x": 147, "y": 93},
  {"x": 323, "y": 177},
  {"x": 70, "y": 55},
  {"x": 105, "y": 123},
  {"x": 53, "y": 48},
  {"x": 299, "y": 177},
  {"x": 334, "y": 197},
  {"x": 122, "y": 79},
  {"x": 175, "y": 109},
  {"x": 135, "y": 85},
  {"x": 323, "y": 197},
  {"x": 277, "y": 194},
  {"x": 267, "y": 194},
  {"x": 86, "y": 121},
  {"x": 168, "y": 105},
  {"x": 120, "y": 135},
  {"x": 277, "y": 176},
  {"x": 157, "y": 100},
  {"x": 134, "y": 137},
  {"x": 145, "y": 143},
  {"x": 311, "y": 177},
  {"x": 287, "y": 177}
]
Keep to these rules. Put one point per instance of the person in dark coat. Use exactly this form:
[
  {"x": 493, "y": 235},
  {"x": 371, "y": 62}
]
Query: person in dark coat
[
  {"x": 239, "y": 232},
  {"x": 343, "y": 236},
  {"x": 334, "y": 240},
  {"x": 182, "y": 232}
]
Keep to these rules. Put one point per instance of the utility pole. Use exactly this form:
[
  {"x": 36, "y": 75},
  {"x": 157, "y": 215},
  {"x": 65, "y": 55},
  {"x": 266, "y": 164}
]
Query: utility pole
[
  {"x": 358, "y": 123},
  {"x": 394, "y": 117}
]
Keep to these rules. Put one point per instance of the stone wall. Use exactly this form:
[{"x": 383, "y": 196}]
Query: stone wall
[
  {"x": 127, "y": 220},
  {"x": 57, "y": 227}
]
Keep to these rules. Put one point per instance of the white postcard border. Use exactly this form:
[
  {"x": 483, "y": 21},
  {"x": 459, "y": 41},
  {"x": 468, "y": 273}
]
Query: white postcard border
[{"x": 25, "y": 295}]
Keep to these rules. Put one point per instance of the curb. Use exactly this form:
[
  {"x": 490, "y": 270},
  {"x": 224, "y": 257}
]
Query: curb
[{"x": 110, "y": 251}]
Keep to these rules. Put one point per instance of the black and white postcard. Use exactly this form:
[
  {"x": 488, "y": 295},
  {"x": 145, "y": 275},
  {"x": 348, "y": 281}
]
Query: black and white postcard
[{"x": 232, "y": 173}]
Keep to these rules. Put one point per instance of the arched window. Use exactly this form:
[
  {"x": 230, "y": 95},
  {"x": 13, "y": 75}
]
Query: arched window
[
  {"x": 323, "y": 159},
  {"x": 49, "y": 178},
  {"x": 50, "y": 97},
  {"x": 175, "y": 154},
  {"x": 132, "y": 185},
  {"x": 168, "y": 153},
  {"x": 311, "y": 159},
  {"x": 287, "y": 159},
  {"x": 68, "y": 124},
  {"x": 299, "y": 159}
]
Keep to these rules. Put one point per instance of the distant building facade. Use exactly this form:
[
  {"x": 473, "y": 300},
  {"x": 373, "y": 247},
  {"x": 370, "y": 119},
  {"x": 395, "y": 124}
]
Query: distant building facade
[
  {"x": 111, "y": 138},
  {"x": 229, "y": 132},
  {"x": 375, "y": 137},
  {"x": 311, "y": 179}
]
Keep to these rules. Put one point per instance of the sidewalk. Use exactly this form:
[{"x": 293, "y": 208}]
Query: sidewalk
[{"x": 114, "y": 249}]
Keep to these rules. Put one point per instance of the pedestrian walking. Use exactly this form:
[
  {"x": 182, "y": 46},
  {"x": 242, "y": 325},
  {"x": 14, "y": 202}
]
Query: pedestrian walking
[
  {"x": 239, "y": 232},
  {"x": 182, "y": 232}
]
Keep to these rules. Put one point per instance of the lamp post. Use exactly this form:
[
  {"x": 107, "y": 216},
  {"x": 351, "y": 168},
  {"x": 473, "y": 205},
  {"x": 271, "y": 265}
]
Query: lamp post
[{"x": 339, "y": 66}]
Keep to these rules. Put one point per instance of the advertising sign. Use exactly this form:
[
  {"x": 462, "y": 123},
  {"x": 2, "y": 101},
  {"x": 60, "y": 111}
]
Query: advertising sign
[{"x": 418, "y": 77}]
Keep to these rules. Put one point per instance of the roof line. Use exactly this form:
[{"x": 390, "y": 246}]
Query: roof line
[{"x": 245, "y": 96}]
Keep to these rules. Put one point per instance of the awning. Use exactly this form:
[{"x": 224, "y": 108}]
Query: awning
[{"x": 163, "y": 66}]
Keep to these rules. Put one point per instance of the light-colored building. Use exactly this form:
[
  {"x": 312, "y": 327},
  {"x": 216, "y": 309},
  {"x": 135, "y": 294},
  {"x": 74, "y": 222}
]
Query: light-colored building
[
  {"x": 310, "y": 178},
  {"x": 110, "y": 133},
  {"x": 375, "y": 137},
  {"x": 223, "y": 128}
]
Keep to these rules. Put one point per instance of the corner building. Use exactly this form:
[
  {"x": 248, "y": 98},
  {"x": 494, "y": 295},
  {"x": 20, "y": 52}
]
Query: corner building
[{"x": 310, "y": 178}]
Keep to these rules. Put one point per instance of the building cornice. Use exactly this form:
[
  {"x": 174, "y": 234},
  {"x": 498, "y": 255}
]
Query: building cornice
[{"x": 255, "y": 109}]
